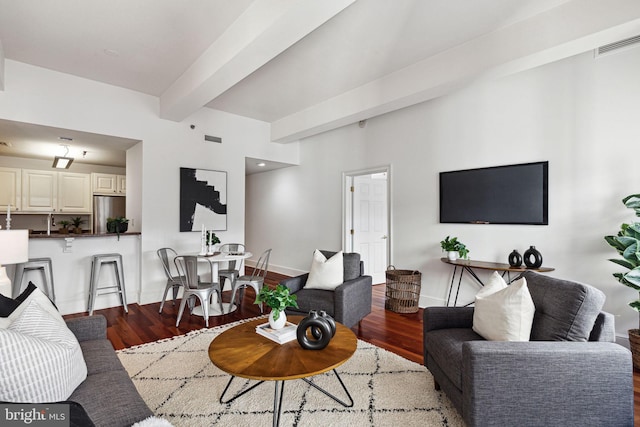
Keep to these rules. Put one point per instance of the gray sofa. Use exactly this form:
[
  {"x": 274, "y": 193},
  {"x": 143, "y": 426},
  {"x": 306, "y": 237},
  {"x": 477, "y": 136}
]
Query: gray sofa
[
  {"x": 571, "y": 373},
  {"x": 108, "y": 396},
  {"x": 347, "y": 304}
]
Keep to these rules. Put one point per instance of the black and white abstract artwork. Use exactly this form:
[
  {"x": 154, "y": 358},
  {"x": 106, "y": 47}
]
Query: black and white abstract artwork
[{"x": 203, "y": 200}]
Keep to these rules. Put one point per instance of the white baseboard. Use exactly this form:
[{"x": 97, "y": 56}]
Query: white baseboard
[{"x": 428, "y": 301}]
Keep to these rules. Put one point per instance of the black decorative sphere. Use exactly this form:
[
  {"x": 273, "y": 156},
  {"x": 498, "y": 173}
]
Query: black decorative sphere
[
  {"x": 515, "y": 259},
  {"x": 532, "y": 258},
  {"x": 315, "y": 331}
]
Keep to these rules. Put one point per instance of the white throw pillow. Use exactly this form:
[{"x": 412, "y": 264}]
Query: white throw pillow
[
  {"x": 40, "y": 358},
  {"x": 504, "y": 312},
  {"x": 43, "y": 301},
  {"x": 325, "y": 273}
]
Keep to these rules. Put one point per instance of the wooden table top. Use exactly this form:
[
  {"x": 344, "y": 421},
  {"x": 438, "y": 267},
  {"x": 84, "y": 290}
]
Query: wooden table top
[
  {"x": 496, "y": 266},
  {"x": 241, "y": 352}
]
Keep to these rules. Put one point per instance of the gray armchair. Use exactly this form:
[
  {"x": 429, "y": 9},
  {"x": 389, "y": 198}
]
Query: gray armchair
[
  {"x": 571, "y": 373},
  {"x": 347, "y": 304}
]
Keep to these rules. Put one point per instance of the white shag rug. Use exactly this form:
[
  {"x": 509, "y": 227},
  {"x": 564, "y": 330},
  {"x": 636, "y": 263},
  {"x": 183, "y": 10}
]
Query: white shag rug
[{"x": 180, "y": 384}]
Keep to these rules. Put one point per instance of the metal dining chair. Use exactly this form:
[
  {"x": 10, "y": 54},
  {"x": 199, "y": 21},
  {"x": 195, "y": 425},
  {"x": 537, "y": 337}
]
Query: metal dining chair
[
  {"x": 187, "y": 267},
  {"x": 254, "y": 280},
  {"x": 174, "y": 282},
  {"x": 231, "y": 272}
]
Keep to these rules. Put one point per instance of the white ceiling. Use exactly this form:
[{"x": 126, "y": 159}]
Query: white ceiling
[{"x": 305, "y": 66}]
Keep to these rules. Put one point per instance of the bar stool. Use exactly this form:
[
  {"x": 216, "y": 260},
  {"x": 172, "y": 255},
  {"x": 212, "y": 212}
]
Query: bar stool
[
  {"x": 96, "y": 263},
  {"x": 42, "y": 264}
]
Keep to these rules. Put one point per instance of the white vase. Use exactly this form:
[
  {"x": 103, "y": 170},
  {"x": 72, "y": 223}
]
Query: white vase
[
  {"x": 277, "y": 324},
  {"x": 452, "y": 255}
]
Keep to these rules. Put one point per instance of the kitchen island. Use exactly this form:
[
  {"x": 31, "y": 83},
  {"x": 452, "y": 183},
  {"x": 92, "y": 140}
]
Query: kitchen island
[{"x": 71, "y": 256}]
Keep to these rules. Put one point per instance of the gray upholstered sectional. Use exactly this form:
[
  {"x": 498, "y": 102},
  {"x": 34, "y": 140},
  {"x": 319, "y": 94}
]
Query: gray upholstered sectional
[
  {"x": 108, "y": 395},
  {"x": 571, "y": 373}
]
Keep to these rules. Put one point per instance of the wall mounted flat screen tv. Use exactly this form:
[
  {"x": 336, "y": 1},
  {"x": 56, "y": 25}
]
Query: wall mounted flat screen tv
[{"x": 512, "y": 194}]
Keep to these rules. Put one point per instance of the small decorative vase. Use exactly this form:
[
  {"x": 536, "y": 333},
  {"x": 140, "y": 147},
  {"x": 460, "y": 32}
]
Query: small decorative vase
[
  {"x": 452, "y": 255},
  {"x": 532, "y": 258},
  {"x": 515, "y": 259},
  {"x": 277, "y": 324},
  {"x": 321, "y": 331}
]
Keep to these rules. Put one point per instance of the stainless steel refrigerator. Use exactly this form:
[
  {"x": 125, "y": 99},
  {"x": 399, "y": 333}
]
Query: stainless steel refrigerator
[{"x": 107, "y": 207}]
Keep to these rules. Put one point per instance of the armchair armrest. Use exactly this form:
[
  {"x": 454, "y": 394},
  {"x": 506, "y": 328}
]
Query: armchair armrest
[
  {"x": 295, "y": 283},
  {"x": 553, "y": 383},
  {"x": 353, "y": 300},
  {"x": 447, "y": 317},
  {"x": 88, "y": 328}
]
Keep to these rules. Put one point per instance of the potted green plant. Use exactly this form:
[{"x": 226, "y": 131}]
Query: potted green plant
[
  {"x": 454, "y": 248},
  {"x": 627, "y": 244},
  {"x": 212, "y": 240},
  {"x": 117, "y": 225},
  {"x": 278, "y": 300},
  {"x": 77, "y": 224},
  {"x": 64, "y": 227}
]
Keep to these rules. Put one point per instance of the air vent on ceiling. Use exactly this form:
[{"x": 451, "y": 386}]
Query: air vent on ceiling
[
  {"x": 213, "y": 139},
  {"x": 611, "y": 47}
]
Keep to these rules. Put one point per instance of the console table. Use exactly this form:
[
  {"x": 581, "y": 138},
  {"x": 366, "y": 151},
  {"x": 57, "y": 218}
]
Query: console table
[{"x": 468, "y": 266}]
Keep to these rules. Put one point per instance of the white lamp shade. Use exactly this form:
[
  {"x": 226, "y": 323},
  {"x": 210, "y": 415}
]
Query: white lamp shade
[{"x": 14, "y": 246}]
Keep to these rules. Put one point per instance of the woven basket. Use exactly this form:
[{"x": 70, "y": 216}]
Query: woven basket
[
  {"x": 634, "y": 343},
  {"x": 402, "y": 293}
]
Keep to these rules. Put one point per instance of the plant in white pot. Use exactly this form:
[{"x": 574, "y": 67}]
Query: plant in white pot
[
  {"x": 454, "y": 248},
  {"x": 278, "y": 300},
  {"x": 627, "y": 243}
]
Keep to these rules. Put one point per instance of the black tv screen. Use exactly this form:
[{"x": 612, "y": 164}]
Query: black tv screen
[{"x": 512, "y": 194}]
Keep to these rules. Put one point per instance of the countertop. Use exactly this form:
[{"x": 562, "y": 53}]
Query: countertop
[{"x": 55, "y": 235}]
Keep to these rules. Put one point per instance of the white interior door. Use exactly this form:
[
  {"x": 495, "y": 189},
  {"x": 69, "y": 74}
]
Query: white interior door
[{"x": 369, "y": 229}]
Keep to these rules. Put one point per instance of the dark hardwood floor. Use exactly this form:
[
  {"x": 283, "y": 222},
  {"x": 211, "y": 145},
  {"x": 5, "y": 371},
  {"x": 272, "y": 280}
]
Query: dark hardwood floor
[{"x": 398, "y": 333}]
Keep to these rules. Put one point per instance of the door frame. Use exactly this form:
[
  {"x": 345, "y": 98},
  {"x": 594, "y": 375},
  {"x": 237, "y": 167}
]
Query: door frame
[{"x": 347, "y": 208}]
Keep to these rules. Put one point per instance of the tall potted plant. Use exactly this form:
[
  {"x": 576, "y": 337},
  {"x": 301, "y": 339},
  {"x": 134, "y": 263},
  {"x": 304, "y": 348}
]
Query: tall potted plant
[
  {"x": 278, "y": 299},
  {"x": 627, "y": 244},
  {"x": 454, "y": 248}
]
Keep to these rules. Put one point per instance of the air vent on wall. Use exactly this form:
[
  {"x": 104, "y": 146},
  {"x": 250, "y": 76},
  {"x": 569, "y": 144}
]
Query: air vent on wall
[
  {"x": 213, "y": 139},
  {"x": 611, "y": 47}
]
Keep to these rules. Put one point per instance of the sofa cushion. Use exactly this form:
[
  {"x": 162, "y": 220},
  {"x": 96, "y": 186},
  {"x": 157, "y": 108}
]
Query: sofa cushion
[
  {"x": 503, "y": 313},
  {"x": 41, "y": 358},
  {"x": 100, "y": 356},
  {"x": 315, "y": 299},
  {"x": 565, "y": 310},
  {"x": 325, "y": 273},
  {"x": 445, "y": 347},
  {"x": 111, "y": 399}
]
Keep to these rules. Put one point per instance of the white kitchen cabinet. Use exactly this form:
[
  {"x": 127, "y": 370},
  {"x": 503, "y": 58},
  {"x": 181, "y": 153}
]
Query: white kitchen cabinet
[
  {"x": 74, "y": 192},
  {"x": 122, "y": 184},
  {"x": 10, "y": 189},
  {"x": 39, "y": 191},
  {"x": 109, "y": 184}
]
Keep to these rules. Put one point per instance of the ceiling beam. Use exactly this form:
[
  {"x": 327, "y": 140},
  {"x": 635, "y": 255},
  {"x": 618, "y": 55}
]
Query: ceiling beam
[
  {"x": 572, "y": 28},
  {"x": 263, "y": 31}
]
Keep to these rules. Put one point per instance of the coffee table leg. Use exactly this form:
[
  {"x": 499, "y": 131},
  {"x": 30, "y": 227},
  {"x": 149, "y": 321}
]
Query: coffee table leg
[
  {"x": 277, "y": 403},
  {"x": 237, "y": 395},
  {"x": 346, "y": 405}
]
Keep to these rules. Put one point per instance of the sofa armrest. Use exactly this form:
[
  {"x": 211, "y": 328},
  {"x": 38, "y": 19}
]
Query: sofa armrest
[
  {"x": 295, "y": 283},
  {"x": 447, "y": 317},
  {"x": 88, "y": 328},
  {"x": 353, "y": 300},
  {"x": 553, "y": 383}
]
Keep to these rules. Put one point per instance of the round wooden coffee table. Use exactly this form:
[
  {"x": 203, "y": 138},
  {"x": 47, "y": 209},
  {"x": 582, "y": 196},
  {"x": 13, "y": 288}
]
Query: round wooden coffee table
[{"x": 241, "y": 352}]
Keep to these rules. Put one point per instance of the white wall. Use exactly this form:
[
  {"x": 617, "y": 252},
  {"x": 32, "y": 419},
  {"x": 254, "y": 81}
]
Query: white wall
[
  {"x": 580, "y": 114},
  {"x": 36, "y": 95}
]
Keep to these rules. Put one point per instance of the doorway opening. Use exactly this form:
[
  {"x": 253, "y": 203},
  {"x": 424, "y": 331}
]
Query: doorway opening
[{"x": 367, "y": 219}]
